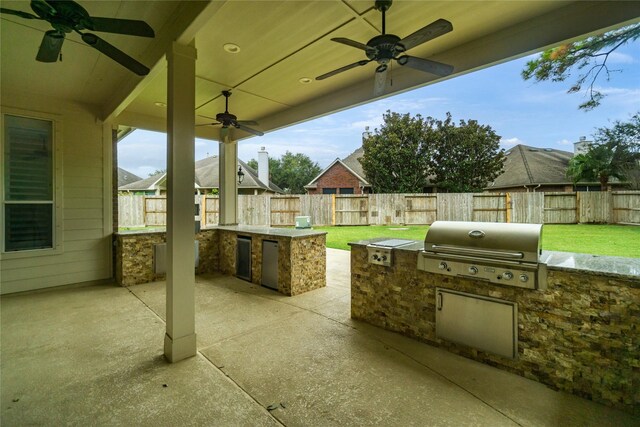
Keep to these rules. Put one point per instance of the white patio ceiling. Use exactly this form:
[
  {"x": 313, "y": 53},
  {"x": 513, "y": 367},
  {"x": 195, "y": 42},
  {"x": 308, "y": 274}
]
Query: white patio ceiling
[{"x": 281, "y": 42}]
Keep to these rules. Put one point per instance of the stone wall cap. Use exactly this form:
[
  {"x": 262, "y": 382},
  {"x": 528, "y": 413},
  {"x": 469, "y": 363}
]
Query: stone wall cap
[
  {"x": 604, "y": 265},
  {"x": 269, "y": 231}
]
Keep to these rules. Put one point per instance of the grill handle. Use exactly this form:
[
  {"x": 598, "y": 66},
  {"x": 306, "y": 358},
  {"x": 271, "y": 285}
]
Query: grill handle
[{"x": 478, "y": 252}]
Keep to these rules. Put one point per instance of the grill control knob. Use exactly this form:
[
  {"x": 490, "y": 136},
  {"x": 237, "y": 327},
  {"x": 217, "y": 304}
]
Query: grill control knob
[
  {"x": 384, "y": 258},
  {"x": 524, "y": 277},
  {"x": 375, "y": 257},
  {"x": 473, "y": 270},
  {"x": 507, "y": 275},
  {"x": 442, "y": 265}
]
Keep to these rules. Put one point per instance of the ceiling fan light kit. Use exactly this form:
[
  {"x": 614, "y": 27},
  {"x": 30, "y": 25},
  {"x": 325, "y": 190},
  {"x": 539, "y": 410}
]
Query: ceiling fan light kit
[
  {"x": 385, "y": 48},
  {"x": 227, "y": 120}
]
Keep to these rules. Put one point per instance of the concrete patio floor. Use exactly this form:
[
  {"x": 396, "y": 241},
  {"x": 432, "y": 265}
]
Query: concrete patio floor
[{"x": 93, "y": 356}]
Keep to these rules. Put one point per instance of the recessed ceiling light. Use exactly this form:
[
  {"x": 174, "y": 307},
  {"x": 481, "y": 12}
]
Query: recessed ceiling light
[
  {"x": 305, "y": 80},
  {"x": 231, "y": 48},
  {"x": 160, "y": 104}
]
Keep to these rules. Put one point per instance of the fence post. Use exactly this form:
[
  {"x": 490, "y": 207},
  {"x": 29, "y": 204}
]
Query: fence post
[
  {"x": 507, "y": 202},
  {"x": 577, "y": 207},
  {"x": 333, "y": 209}
]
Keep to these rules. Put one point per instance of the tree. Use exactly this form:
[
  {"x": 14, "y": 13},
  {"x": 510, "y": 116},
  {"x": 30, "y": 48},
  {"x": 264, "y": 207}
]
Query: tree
[
  {"x": 588, "y": 57},
  {"x": 395, "y": 157},
  {"x": 158, "y": 172},
  {"x": 291, "y": 172},
  {"x": 464, "y": 158},
  {"x": 408, "y": 151},
  {"x": 614, "y": 154}
]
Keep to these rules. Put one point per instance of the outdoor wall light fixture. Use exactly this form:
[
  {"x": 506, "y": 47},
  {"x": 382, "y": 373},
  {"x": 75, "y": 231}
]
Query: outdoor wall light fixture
[
  {"x": 240, "y": 175},
  {"x": 231, "y": 48}
]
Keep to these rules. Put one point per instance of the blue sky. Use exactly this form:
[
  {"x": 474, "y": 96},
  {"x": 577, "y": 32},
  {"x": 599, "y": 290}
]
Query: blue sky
[{"x": 535, "y": 114}]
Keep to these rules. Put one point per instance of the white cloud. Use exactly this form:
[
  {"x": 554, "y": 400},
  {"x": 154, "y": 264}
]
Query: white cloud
[
  {"x": 510, "y": 142},
  {"x": 620, "y": 58},
  {"x": 564, "y": 142}
]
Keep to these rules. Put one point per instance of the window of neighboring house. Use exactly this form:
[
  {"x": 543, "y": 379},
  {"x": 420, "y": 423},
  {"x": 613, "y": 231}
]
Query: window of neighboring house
[
  {"x": 328, "y": 191},
  {"x": 28, "y": 190},
  {"x": 346, "y": 190}
]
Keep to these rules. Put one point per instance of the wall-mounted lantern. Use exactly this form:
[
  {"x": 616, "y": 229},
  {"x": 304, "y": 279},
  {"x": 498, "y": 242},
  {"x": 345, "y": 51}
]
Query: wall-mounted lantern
[{"x": 240, "y": 175}]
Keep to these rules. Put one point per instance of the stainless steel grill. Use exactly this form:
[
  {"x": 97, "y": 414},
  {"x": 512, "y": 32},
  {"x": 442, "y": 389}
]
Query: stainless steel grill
[
  {"x": 381, "y": 253},
  {"x": 506, "y": 254}
]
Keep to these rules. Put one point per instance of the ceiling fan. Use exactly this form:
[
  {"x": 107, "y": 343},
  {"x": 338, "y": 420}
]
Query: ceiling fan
[
  {"x": 67, "y": 16},
  {"x": 227, "y": 119},
  {"x": 387, "y": 47}
]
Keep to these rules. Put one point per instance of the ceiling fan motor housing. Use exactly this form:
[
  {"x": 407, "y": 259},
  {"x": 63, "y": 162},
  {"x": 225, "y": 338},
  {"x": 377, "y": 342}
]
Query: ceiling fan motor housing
[
  {"x": 383, "y": 48},
  {"x": 65, "y": 16}
]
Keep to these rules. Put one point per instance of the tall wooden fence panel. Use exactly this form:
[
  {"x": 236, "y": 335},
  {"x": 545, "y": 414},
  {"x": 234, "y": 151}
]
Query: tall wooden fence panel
[
  {"x": 560, "y": 208},
  {"x": 593, "y": 206},
  {"x": 455, "y": 206},
  {"x": 210, "y": 214},
  {"x": 526, "y": 208},
  {"x": 155, "y": 211},
  {"x": 284, "y": 210},
  {"x": 254, "y": 210},
  {"x": 319, "y": 207},
  {"x": 352, "y": 210},
  {"x": 625, "y": 207},
  {"x": 420, "y": 209},
  {"x": 386, "y": 209},
  {"x": 131, "y": 211},
  {"x": 489, "y": 207}
]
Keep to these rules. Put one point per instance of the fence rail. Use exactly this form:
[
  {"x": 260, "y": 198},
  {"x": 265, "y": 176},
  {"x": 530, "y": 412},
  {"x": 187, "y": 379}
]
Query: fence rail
[{"x": 618, "y": 207}]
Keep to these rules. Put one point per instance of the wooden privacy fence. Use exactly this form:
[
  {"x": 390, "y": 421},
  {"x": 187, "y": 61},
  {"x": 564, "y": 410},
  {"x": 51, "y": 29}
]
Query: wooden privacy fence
[{"x": 619, "y": 207}]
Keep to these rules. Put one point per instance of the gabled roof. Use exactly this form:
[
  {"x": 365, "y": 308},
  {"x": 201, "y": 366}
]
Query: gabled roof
[
  {"x": 526, "y": 165},
  {"x": 207, "y": 175},
  {"x": 125, "y": 177},
  {"x": 351, "y": 163}
]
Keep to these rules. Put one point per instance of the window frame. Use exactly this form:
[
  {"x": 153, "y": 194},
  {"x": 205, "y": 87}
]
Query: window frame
[{"x": 57, "y": 213}]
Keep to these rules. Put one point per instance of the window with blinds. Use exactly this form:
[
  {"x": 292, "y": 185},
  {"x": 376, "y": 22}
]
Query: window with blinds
[{"x": 28, "y": 184}]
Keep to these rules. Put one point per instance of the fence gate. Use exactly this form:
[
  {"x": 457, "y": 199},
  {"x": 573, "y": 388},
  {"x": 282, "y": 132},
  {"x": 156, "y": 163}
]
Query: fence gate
[
  {"x": 352, "y": 210},
  {"x": 527, "y": 208},
  {"x": 560, "y": 208},
  {"x": 489, "y": 208},
  {"x": 284, "y": 210},
  {"x": 155, "y": 211},
  {"x": 625, "y": 207},
  {"x": 420, "y": 209}
]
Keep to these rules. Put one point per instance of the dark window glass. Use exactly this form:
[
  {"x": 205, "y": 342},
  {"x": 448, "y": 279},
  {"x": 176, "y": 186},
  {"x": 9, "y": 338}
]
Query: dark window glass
[{"x": 328, "y": 191}]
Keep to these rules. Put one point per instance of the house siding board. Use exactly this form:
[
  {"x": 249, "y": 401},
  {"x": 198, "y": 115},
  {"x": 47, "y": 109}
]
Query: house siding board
[
  {"x": 84, "y": 254},
  {"x": 337, "y": 177}
]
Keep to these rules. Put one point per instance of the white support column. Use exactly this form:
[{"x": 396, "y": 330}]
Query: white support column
[
  {"x": 228, "y": 183},
  {"x": 180, "y": 339}
]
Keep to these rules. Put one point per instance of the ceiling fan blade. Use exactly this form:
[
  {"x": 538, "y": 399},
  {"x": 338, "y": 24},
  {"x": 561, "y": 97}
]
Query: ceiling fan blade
[
  {"x": 424, "y": 34},
  {"x": 210, "y": 124},
  {"x": 350, "y": 42},
  {"x": 50, "y": 46},
  {"x": 19, "y": 13},
  {"x": 115, "y": 54},
  {"x": 129, "y": 27},
  {"x": 248, "y": 129},
  {"x": 341, "y": 69},
  {"x": 247, "y": 122},
  {"x": 380, "y": 83},
  {"x": 426, "y": 65}
]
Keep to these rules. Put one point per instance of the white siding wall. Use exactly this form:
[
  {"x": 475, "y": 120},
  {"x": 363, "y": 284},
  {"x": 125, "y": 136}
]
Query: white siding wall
[{"x": 85, "y": 233}]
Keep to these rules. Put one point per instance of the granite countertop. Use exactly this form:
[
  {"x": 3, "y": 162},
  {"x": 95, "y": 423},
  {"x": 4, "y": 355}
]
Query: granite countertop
[
  {"x": 268, "y": 231},
  {"x": 567, "y": 261},
  {"x": 142, "y": 231},
  {"x": 606, "y": 265}
]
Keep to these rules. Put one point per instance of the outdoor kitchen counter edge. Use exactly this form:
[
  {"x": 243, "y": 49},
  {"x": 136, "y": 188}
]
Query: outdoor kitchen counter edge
[
  {"x": 269, "y": 231},
  {"x": 563, "y": 261}
]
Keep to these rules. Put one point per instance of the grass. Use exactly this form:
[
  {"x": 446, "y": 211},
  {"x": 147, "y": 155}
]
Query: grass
[{"x": 612, "y": 240}]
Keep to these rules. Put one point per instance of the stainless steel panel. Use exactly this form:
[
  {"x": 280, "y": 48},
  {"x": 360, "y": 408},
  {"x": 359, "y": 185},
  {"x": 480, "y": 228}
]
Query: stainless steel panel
[
  {"x": 485, "y": 239},
  {"x": 270, "y": 264},
  {"x": 488, "y": 324},
  {"x": 243, "y": 258}
]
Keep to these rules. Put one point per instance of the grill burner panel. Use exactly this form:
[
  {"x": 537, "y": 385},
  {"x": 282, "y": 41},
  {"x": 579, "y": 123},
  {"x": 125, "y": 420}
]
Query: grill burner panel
[{"x": 506, "y": 254}]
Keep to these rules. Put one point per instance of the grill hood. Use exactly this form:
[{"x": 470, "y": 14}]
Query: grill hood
[{"x": 500, "y": 241}]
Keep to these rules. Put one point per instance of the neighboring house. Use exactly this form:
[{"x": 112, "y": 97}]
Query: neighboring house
[
  {"x": 125, "y": 177},
  {"x": 207, "y": 177},
  {"x": 533, "y": 169},
  {"x": 344, "y": 176}
]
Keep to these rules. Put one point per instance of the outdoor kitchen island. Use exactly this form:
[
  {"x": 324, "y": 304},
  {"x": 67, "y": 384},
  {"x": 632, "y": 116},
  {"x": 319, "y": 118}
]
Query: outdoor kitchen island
[{"x": 581, "y": 334}]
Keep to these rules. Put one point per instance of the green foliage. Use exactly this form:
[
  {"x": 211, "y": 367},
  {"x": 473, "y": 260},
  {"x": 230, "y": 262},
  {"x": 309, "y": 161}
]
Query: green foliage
[
  {"x": 291, "y": 172},
  {"x": 464, "y": 158},
  {"x": 157, "y": 172},
  {"x": 408, "y": 151},
  {"x": 587, "y": 57},
  {"x": 395, "y": 158},
  {"x": 615, "y": 154}
]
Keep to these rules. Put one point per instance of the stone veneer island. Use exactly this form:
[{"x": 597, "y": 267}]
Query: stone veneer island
[
  {"x": 301, "y": 255},
  {"x": 580, "y": 335}
]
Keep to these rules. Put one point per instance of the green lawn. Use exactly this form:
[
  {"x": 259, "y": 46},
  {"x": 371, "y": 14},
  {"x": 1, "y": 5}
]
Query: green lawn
[{"x": 613, "y": 240}]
